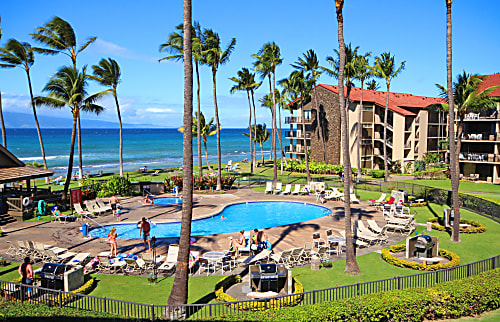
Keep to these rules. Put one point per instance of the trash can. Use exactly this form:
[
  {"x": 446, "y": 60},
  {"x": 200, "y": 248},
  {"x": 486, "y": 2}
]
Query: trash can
[{"x": 85, "y": 229}]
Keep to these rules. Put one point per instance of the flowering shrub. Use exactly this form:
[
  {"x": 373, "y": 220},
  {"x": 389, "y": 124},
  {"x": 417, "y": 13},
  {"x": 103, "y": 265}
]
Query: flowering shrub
[
  {"x": 453, "y": 258},
  {"x": 478, "y": 227}
]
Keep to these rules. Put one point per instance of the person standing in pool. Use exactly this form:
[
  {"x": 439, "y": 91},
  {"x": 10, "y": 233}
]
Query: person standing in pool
[{"x": 145, "y": 229}]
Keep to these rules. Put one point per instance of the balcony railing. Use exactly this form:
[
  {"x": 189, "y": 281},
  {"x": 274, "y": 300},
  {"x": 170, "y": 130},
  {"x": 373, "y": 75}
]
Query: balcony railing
[
  {"x": 296, "y": 149},
  {"x": 484, "y": 115},
  {"x": 296, "y": 134},
  {"x": 296, "y": 119},
  {"x": 478, "y": 157},
  {"x": 484, "y": 136}
]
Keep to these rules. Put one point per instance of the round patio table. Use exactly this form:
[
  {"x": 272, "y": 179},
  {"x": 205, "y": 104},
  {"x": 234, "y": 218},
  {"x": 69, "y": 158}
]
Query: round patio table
[{"x": 213, "y": 256}]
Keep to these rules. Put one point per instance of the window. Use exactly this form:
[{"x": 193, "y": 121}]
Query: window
[{"x": 367, "y": 108}]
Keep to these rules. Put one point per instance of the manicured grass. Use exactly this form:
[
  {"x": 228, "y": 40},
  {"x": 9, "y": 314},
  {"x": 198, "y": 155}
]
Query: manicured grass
[
  {"x": 137, "y": 288},
  {"x": 464, "y": 185},
  {"x": 493, "y": 316}
]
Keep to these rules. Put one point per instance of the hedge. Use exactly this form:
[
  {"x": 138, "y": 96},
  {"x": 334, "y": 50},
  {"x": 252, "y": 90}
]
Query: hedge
[
  {"x": 479, "y": 228},
  {"x": 467, "y": 297},
  {"x": 393, "y": 260},
  {"x": 229, "y": 281},
  {"x": 416, "y": 204}
]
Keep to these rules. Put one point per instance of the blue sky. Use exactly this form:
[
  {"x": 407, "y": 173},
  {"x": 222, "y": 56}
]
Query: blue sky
[{"x": 151, "y": 92}]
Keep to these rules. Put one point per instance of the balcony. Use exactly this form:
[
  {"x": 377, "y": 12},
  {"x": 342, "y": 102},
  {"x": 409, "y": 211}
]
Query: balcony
[
  {"x": 296, "y": 135},
  {"x": 484, "y": 136},
  {"x": 297, "y": 120},
  {"x": 296, "y": 149},
  {"x": 479, "y": 157}
]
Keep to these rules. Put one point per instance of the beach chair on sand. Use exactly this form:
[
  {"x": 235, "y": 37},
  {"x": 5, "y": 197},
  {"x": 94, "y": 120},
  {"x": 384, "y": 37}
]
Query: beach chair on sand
[
  {"x": 296, "y": 190},
  {"x": 278, "y": 188},
  {"x": 269, "y": 187},
  {"x": 169, "y": 264},
  {"x": 288, "y": 190}
]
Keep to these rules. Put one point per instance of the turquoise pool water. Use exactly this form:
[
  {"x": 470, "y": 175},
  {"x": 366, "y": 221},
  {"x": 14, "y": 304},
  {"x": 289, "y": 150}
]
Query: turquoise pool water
[
  {"x": 246, "y": 216},
  {"x": 167, "y": 201}
]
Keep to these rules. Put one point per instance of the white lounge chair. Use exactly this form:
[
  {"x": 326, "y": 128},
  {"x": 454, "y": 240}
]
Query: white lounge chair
[
  {"x": 288, "y": 190},
  {"x": 379, "y": 201},
  {"x": 169, "y": 264},
  {"x": 352, "y": 197},
  {"x": 296, "y": 190},
  {"x": 278, "y": 188},
  {"x": 80, "y": 211},
  {"x": 103, "y": 206},
  {"x": 269, "y": 187}
]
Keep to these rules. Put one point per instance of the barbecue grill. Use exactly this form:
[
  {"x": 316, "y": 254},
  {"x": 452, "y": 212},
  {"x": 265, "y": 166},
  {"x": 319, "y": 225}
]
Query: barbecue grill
[
  {"x": 424, "y": 246},
  {"x": 52, "y": 275}
]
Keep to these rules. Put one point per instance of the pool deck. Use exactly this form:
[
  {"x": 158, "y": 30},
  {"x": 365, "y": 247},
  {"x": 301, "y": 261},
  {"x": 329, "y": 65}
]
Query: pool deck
[{"x": 67, "y": 235}]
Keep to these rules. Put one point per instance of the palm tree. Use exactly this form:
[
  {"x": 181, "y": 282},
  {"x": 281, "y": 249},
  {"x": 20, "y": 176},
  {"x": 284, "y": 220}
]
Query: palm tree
[
  {"x": 351, "y": 264},
  {"x": 385, "y": 68},
  {"x": 310, "y": 64},
  {"x": 363, "y": 72},
  {"x": 261, "y": 135},
  {"x": 107, "y": 73},
  {"x": 59, "y": 36},
  {"x": 215, "y": 57},
  {"x": 179, "y": 293},
  {"x": 174, "y": 46},
  {"x": 4, "y": 134},
  {"x": 268, "y": 58},
  {"x": 17, "y": 54},
  {"x": 372, "y": 85},
  {"x": 68, "y": 87},
  {"x": 206, "y": 130},
  {"x": 246, "y": 81}
]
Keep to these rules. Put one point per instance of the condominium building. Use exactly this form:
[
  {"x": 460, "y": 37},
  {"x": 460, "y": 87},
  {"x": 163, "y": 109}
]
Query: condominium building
[
  {"x": 412, "y": 129},
  {"x": 479, "y": 156}
]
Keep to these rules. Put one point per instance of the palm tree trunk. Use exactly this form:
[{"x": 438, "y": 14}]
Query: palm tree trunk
[
  {"x": 250, "y": 131},
  {"x": 283, "y": 157},
  {"x": 320, "y": 126},
  {"x": 206, "y": 156},
  {"x": 121, "y": 131},
  {"x": 360, "y": 131},
  {"x": 80, "y": 159},
  {"x": 71, "y": 153},
  {"x": 308, "y": 174},
  {"x": 179, "y": 293},
  {"x": 254, "y": 131},
  {"x": 351, "y": 264},
  {"x": 275, "y": 169},
  {"x": 4, "y": 134},
  {"x": 198, "y": 135},
  {"x": 219, "y": 166},
  {"x": 454, "y": 150},
  {"x": 386, "y": 165},
  {"x": 36, "y": 123},
  {"x": 262, "y": 151}
]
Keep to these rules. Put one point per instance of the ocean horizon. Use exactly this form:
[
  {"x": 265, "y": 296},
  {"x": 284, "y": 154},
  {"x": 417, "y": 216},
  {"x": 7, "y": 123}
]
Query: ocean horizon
[{"x": 154, "y": 148}]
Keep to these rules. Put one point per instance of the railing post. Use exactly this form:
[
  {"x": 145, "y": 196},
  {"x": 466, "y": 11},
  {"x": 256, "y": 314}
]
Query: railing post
[
  {"x": 104, "y": 304},
  {"x": 152, "y": 312},
  {"x": 60, "y": 298},
  {"x": 357, "y": 288},
  {"x": 399, "y": 282},
  {"x": 468, "y": 270},
  {"x": 437, "y": 277},
  {"x": 314, "y": 297}
]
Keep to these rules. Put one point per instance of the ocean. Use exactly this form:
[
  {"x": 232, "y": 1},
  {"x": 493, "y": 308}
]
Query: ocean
[{"x": 154, "y": 148}]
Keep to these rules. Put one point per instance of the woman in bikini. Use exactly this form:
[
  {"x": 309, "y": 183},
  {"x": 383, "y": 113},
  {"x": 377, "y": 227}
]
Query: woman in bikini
[
  {"x": 112, "y": 241},
  {"x": 240, "y": 243}
]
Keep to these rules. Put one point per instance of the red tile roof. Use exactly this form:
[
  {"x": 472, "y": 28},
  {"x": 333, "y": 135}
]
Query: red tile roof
[
  {"x": 397, "y": 101},
  {"x": 489, "y": 81}
]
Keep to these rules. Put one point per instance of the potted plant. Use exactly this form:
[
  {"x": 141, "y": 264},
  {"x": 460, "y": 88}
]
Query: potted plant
[{"x": 327, "y": 265}]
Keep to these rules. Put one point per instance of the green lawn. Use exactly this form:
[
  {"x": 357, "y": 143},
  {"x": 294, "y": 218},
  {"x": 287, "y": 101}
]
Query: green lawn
[{"x": 464, "y": 185}]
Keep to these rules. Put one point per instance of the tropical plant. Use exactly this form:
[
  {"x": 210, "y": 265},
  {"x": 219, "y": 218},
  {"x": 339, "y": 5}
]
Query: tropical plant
[
  {"x": 107, "y": 73},
  {"x": 372, "y": 85},
  {"x": 206, "y": 130},
  {"x": 117, "y": 185},
  {"x": 68, "y": 87},
  {"x": 310, "y": 64},
  {"x": 246, "y": 82},
  {"x": 174, "y": 46},
  {"x": 268, "y": 58},
  {"x": 34, "y": 164},
  {"x": 17, "y": 54},
  {"x": 215, "y": 56},
  {"x": 2, "y": 123},
  {"x": 261, "y": 135},
  {"x": 179, "y": 293},
  {"x": 385, "y": 68},
  {"x": 351, "y": 263},
  {"x": 59, "y": 36}
]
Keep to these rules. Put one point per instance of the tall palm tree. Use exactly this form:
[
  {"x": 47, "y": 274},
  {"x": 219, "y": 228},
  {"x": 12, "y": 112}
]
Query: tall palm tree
[
  {"x": 174, "y": 46},
  {"x": 385, "y": 68},
  {"x": 108, "y": 73},
  {"x": 246, "y": 82},
  {"x": 363, "y": 72},
  {"x": 351, "y": 263},
  {"x": 206, "y": 130},
  {"x": 17, "y": 54},
  {"x": 4, "y": 134},
  {"x": 179, "y": 293},
  {"x": 59, "y": 37},
  {"x": 372, "y": 85},
  {"x": 68, "y": 87},
  {"x": 268, "y": 58},
  {"x": 215, "y": 57},
  {"x": 310, "y": 64},
  {"x": 261, "y": 135}
]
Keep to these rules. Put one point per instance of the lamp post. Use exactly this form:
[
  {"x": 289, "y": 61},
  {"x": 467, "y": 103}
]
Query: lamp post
[{"x": 153, "y": 243}]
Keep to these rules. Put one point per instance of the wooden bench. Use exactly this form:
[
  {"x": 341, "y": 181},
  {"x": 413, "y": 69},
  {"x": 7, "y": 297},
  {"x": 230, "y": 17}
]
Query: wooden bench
[{"x": 427, "y": 260}]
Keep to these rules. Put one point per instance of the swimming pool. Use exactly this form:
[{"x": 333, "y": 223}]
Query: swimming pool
[
  {"x": 167, "y": 201},
  {"x": 247, "y": 216}
]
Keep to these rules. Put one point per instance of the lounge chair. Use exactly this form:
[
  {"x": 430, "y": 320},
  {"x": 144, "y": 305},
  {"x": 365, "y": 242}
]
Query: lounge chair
[
  {"x": 79, "y": 259},
  {"x": 154, "y": 174},
  {"x": 305, "y": 190},
  {"x": 57, "y": 180},
  {"x": 94, "y": 207},
  {"x": 62, "y": 217},
  {"x": 372, "y": 224},
  {"x": 14, "y": 250},
  {"x": 234, "y": 167},
  {"x": 59, "y": 258},
  {"x": 245, "y": 249},
  {"x": 105, "y": 264},
  {"x": 269, "y": 187},
  {"x": 277, "y": 190},
  {"x": 169, "y": 264},
  {"x": 296, "y": 256},
  {"x": 229, "y": 165},
  {"x": 323, "y": 253},
  {"x": 379, "y": 201},
  {"x": 288, "y": 190},
  {"x": 367, "y": 234},
  {"x": 79, "y": 210},
  {"x": 296, "y": 190},
  {"x": 102, "y": 205},
  {"x": 194, "y": 256},
  {"x": 262, "y": 256},
  {"x": 134, "y": 266},
  {"x": 352, "y": 197},
  {"x": 308, "y": 249},
  {"x": 333, "y": 194},
  {"x": 282, "y": 258}
]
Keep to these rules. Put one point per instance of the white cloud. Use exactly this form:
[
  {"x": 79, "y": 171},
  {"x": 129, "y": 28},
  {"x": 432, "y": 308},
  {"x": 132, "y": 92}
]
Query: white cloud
[
  {"x": 159, "y": 110},
  {"x": 111, "y": 49}
]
